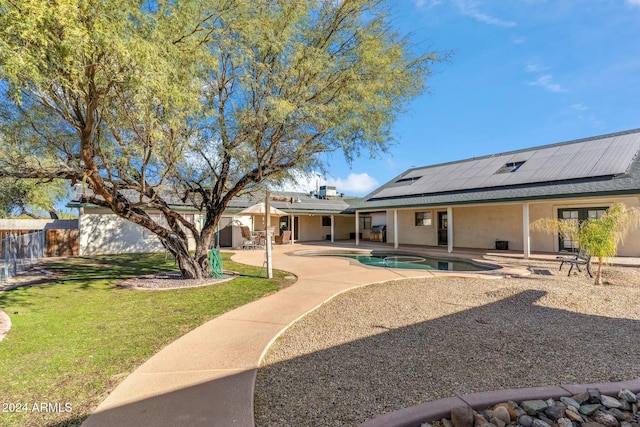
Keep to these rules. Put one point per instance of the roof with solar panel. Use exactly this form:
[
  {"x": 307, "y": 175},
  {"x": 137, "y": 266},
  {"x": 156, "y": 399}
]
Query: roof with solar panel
[{"x": 604, "y": 164}]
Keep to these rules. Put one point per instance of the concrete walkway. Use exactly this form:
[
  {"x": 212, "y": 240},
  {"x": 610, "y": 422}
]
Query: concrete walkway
[{"x": 207, "y": 376}]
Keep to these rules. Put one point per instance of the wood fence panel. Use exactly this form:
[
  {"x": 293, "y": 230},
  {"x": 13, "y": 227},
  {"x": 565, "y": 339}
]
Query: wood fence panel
[{"x": 62, "y": 243}]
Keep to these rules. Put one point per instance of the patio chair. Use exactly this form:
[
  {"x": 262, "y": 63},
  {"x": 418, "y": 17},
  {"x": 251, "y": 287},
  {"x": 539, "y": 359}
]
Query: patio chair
[
  {"x": 249, "y": 241},
  {"x": 284, "y": 238},
  {"x": 581, "y": 258}
]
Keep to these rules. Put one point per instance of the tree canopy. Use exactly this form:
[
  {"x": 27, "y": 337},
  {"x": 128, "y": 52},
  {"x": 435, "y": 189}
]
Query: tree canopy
[
  {"x": 204, "y": 99},
  {"x": 28, "y": 197}
]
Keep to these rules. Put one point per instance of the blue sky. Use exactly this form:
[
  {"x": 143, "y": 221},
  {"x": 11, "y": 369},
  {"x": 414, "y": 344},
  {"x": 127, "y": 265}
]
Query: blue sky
[{"x": 524, "y": 73}]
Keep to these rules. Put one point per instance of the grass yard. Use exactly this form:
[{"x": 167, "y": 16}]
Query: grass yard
[{"x": 74, "y": 338}]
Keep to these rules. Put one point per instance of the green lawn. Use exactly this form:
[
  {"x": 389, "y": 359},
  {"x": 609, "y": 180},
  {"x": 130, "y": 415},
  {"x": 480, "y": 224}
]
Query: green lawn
[{"x": 73, "y": 339}]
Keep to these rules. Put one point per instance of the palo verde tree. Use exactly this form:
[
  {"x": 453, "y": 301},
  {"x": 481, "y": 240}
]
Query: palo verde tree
[
  {"x": 204, "y": 99},
  {"x": 600, "y": 236}
]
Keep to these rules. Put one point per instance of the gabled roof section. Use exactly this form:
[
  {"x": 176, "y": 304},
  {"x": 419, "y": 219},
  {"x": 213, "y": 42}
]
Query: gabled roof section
[
  {"x": 302, "y": 202},
  {"x": 585, "y": 160}
]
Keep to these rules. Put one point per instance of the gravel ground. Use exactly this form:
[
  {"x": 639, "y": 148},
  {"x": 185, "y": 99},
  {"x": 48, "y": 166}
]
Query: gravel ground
[
  {"x": 387, "y": 346},
  {"x": 170, "y": 280}
]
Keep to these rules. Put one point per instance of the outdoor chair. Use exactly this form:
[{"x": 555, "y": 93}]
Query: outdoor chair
[
  {"x": 284, "y": 238},
  {"x": 581, "y": 258},
  {"x": 249, "y": 241}
]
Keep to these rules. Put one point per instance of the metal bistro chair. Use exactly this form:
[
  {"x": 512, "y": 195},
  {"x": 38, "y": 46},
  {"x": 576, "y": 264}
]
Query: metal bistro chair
[{"x": 581, "y": 258}]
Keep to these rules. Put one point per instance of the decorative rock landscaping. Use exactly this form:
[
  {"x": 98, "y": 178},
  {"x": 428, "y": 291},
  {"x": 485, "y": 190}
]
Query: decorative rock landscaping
[{"x": 587, "y": 409}]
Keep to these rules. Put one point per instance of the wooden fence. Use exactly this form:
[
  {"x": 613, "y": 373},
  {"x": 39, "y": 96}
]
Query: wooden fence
[
  {"x": 62, "y": 243},
  {"x": 57, "y": 242}
]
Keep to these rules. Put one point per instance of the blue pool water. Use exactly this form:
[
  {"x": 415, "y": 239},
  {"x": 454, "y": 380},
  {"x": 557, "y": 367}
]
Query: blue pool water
[{"x": 410, "y": 260}]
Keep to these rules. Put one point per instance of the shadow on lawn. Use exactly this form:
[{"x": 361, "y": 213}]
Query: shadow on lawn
[{"x": 84, "y": 271}]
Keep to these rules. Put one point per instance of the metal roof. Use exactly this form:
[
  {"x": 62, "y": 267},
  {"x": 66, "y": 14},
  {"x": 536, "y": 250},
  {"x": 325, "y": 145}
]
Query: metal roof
[{"x": 598, "y": 164}]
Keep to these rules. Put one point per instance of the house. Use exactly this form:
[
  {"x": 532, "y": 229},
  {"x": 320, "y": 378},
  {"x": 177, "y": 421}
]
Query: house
[
  {"x": 488, "y": 202},
  {"x": 322, "y": 215},
  {"x": 483, "y": 203}
]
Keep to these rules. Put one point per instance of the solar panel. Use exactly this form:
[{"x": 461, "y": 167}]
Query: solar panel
[{"x": 595, "y": 157}]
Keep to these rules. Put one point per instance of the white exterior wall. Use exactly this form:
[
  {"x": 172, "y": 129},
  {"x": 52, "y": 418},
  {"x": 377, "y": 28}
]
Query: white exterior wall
[
  {"x": 547, "y": 242},
  {"x": 236, "y": 231},
  {"x": 479, "y": 226},
  {"x": 103, "y": 232},
  {"x": 408, "y": 232},
  {"x": 311, "y": 228}
]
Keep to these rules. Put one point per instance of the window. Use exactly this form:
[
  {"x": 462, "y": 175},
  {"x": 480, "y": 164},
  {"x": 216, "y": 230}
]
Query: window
[
  {"x": 365, "y": 222},
  {"x": 423, "y": 218},
  {"x": 595, "y": 213},
  {"x": 510, "y": 167},
  {"x": 570, "y": 243},
  {"x": 326, "y": 221}
]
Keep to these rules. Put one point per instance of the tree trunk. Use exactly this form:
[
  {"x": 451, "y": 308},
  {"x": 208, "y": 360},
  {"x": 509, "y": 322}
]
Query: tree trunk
[
  {"x": 598, "y": 280},
  {"x": 189, "y": 266}
]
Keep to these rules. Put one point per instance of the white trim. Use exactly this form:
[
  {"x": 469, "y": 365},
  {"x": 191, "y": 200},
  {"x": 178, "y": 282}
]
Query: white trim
[
  {"x": 449, "y": 229},
  {"x": 526, "y": 237}
]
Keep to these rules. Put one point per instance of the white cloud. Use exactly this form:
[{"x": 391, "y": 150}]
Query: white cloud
[
  {"x": 547, "y": 82},
  {"x": 471, "y": 8},
  {"x": 579, "y": 107},
  {"x": 356, "y": 184},
  {"x": 303, "y": 183},
  {"x": 590, "y": 120},
  {"x": 426, "y": 4},
  {"x": 633, "y": 3},
  {"x": 533, "y": 67}
]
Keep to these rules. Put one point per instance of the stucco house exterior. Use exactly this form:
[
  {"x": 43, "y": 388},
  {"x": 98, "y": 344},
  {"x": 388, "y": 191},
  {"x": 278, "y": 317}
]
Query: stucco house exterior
[
  {"x": 489, "y": 202},
  {"x": 482, "y": 203},
  {"x": 323, "y": 215}
]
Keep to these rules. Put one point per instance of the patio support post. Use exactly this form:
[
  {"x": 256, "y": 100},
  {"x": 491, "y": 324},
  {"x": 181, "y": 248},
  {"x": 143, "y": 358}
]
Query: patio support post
[
  {"x": 395, "y": 228},
  {"x": 292, "y": 226},
  {"x": 526, "y": 237},
  {"x": 357, "y": 228},
  {"x": 332, "y": 229},
  {"x": 267, "y": 214},
  {"x": 449, "y": 229}
]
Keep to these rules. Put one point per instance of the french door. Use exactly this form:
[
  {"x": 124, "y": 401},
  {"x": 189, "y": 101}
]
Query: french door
[{"x": 576, "y": 215}]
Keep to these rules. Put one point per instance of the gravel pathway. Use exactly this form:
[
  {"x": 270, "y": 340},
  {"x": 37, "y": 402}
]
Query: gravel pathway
[{"x": 388, "y": 346}]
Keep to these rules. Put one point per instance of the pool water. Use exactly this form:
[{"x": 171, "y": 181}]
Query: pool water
[{"x": 412, "y": 261}]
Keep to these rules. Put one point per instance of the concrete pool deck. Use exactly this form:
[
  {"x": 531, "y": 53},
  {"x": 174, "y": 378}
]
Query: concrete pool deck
[{"x": 207, "y": 376}]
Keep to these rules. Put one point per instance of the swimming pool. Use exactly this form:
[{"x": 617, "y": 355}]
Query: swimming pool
[{"x": 413, "y": 261}]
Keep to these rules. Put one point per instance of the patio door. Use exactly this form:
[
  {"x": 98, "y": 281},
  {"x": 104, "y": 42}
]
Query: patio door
[
  {"x": 283, "y": 224},
  {"x": 576, "y": 215},
  {"x": 443, "y": 226}
]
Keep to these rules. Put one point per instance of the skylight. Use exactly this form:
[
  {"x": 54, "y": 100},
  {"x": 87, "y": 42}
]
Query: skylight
[
  {"x": 408, "y": 180},
  {"x": 510, "y": 167}
]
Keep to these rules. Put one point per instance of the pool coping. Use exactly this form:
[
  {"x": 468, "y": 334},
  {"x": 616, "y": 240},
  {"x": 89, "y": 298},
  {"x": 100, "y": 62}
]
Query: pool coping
[{"x": 499, "y": 272}]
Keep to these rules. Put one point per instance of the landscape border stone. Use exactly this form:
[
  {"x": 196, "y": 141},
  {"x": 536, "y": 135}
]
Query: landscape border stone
[
  {"x": 5, "y": 324},
  {"x": 414, "y": 416}
]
